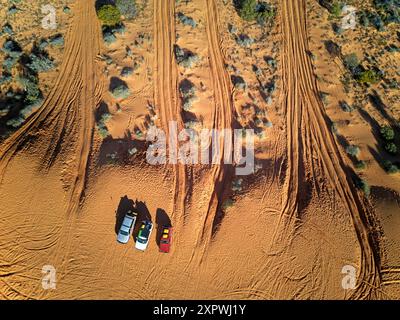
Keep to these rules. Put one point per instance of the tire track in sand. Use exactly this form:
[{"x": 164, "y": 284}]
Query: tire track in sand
[
  {"x": 165, "y": 93},
  {"x": 63, "y": 127},
  {"x": 222, "y": 119},
  {"x": 311, "y": 148}
]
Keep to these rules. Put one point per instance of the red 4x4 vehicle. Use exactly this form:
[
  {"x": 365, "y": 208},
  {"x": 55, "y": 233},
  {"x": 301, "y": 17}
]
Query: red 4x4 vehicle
[{"x": 166, "y": 238}]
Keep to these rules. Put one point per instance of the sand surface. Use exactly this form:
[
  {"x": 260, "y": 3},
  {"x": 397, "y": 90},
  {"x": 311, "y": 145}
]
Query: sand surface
[{"x": 287, "y": 234}]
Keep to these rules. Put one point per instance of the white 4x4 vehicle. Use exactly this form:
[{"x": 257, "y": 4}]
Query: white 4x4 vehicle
[
  {"x": 143, "y": 237},
  {"x": 126, "y": 227}
]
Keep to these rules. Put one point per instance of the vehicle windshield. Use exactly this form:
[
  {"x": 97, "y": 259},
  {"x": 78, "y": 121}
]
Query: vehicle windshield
[
  {"x": 124, "y": 233},
  {"x": 142, "y": 240}
]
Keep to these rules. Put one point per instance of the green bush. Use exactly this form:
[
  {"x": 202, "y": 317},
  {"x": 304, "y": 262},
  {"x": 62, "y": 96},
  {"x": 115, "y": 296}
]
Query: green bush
[
  {"x": 351, "y": 61},
  {"x": 391, "y": 148},
  {"x": 336, "y": 9},
  {"x": 387, "y": 133},
  {"x": 360, "y": 165},
  {"x": 102, "y": 126},
  {"x": 364, "y": 186},
  {"x": 353, "y": 150},
  {"x": 40, "y": 62},
  {"x": 390, "y": 167},
  {"x": 254, "y": 10},
  {"x": 109, "y": 15},
  {"x": 368, "y": 76},
  {"x": 30, "y": 86}
]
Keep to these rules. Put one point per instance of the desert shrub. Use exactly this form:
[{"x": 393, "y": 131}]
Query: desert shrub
[
  {"x": 351, "y": 61},
  {"x": 15, "y": 122},
  {"x": 30, "y": 85},
  {"x": 12, "y": 10},
  {"x": 7, "y": 29},
  {"x": 109, "y": 15},
  {"x": 254, "y": 10},
  {"x": 121, "y": 92},
  {"x": 108, "y": 36},
  {"x": 28, "y": 109},
  {"x": 267, "y": 124},
  {"x": 9, "y": 63},
  {"x": 363, "y": 18},
  {"x": 334, "y": 128},
  {"x": 239, "y": 82},
  {"x": 119, "y": 89},
  {"x": 188, "y": 103},
  {"x": 363, "y": 185},
  {"x": 187, "y": 88},
  {"x": 271, "y": 62},
  {"x": 126, "y": 71},
  {"x": 392, "y": 48},
  {"x": 40, "y": 62},
  {"x": 244, "y": 40},
  {"x": 387, "y": 133},
  {"x": 56, "y": 40},
  {"x": 5, "y": 78},
  {"x": 353, "y": 150},
  {"x": 227, "y": 204},
  {"x": 257, "y": 70},
  {"x": 101, "y": 125},
  {"x": 390, "y": 167},
  {"x": 127, "y": 8},
  {"x": 12, "y": 48},
  {"x": 231, "y": 28},
  {"x": 391, "y": 148},
  {"x": 187, "y": 91},
  {"x": 324, "y": 97},
  {"x": 368, "y": 76},
  {"x": 333, "y": 49},
  {"x": 389, "y": 10},
  {"x": 237, "y": 185},
  {"x": 185, "y": 20},
  {"x": 360, "y": 165},
  {"x": 345, "y": 106},
  {"x": 336, "y": 9},
  {"x": 119, "y": 28},
  {"x": 184, "y": 57}
]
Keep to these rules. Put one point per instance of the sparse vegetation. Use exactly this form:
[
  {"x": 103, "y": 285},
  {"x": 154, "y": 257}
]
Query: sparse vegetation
[
  {"x": 390, "y": 167},
  {"x": 188, "y": 94},
  {"x": 185, "y": 20},
  {"x": 127, "y": 8},
  {"x": 254, "y": 10},
  {"x": 351, "y": 61},
  {"x": 244, "y": 40},
  {"x": 102, "y": 126},
  {"x": 185, "y": 58},
  {"x": 119, "y": 89},
  {"x": 387, "y": 133},
  {"x": 391, "y": 148},
  {"x": 363, "y": 185},
  {"x": 109, "y": 15},
  {"x": 368, "y": 76},
  {"x": 353, "y": 150},
  {"x": 345, "y": 106},
  {"x": 239, "y": 82}
]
